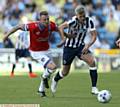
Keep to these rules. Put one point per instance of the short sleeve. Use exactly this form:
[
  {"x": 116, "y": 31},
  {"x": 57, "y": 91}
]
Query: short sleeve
[
  {"x": 71, "y": 21},
  {"x": 29, "y": 26},
  {"x": 53, "y": 26},
  {"x": 91, "y": 25}
]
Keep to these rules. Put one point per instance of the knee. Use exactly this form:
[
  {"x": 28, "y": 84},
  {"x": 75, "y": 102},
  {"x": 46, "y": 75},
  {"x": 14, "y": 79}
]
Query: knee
[
  {"x": 65, "y": 73},
  {"x": 51, "y": 66},
  {"x": 66, "y": 70},
  {"x": 92, "y": 63}
]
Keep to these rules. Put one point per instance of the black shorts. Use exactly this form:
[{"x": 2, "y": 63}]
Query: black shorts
[
  {"x": 70, "y": 53},
  {"x": 19, "y": 53}
]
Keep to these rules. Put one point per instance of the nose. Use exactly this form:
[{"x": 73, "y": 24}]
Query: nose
[{"x": 83, "y": 18}]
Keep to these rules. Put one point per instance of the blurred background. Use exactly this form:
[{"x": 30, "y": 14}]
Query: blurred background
[{"x": 106, "y": 15}]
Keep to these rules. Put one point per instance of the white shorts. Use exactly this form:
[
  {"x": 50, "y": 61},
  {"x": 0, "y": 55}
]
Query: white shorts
[{"x": 43, "y": 57}]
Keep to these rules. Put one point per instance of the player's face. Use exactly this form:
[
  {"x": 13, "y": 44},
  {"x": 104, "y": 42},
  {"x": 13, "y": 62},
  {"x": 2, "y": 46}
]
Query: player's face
[
  {"x": 44, "y": 19},
  {"x": 81, "y": 17}
]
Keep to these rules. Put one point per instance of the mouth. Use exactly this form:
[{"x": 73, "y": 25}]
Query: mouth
[{"x": 45, "y": 23}]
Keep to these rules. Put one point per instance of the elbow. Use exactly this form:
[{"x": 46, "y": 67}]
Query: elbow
[{"x": 95, "y": 38}]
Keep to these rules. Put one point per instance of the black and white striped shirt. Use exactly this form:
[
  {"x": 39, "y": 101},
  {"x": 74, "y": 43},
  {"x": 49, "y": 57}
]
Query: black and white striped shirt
[
  {"x": 80, "y": 30},
  {"x": 22, "y": 40}
]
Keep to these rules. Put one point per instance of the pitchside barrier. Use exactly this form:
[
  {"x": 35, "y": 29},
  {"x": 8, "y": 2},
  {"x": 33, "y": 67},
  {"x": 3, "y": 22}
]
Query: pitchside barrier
[
  {"x": 107, "y": 60},
  {"x": 7, "y": 58}
]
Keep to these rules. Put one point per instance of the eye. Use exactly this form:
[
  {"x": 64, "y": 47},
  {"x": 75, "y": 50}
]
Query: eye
[{"x": 46, "y": 19}]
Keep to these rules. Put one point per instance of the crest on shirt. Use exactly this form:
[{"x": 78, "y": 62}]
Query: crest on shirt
[
  {"x": 37, "y": 33},
  {"x": 64, "y": 61}
]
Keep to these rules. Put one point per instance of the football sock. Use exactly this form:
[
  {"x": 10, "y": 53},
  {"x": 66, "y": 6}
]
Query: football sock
[
  {"x": 58, "y": 76},
  {"x": 93, "y": 75},
  {"x": 30, "y": 68},
  {"x": 41, "y": 87},
  {"x": 13, "y": 68}
]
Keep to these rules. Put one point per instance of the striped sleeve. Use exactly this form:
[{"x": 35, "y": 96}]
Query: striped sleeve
[
  {"x": 72, "y": 21},
  {"x": 25, "y": 27},
  {"x": 29, "y": 26},
  {"x": 91, "y": 25}
]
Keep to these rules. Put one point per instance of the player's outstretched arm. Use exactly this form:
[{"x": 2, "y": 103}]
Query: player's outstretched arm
[
  {"x": 61, "y": 44},
  {"x": 61, "y": 30},
  {"x": 63, "y": 34},
  {"x": 93, "y": 39},
  {"x": 67, "y": 35},
  {"x": 118, "y": 42},
  {"x": 20, "y": 27}
]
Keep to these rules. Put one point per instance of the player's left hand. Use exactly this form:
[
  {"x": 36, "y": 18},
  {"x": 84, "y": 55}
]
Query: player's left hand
[
  {"x": 118, "y": 43},
  {"x": 67, "y": 35},
  {"x": 85, "y": 49},
  {"x": 61, "y": 44}
]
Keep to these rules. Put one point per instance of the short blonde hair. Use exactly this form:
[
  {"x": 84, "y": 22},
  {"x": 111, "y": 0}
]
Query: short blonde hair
[{"x": 79, "y": 9}]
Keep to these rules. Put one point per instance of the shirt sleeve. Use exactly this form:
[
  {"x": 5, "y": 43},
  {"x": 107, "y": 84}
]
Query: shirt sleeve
[
  {"x": 25, "y": 27},
  {"x": 29, "y": 26},
  {"x": 72, "y": 21},
  {"x": 53, "y": 26},
  {"x": 91, "y": 25}
]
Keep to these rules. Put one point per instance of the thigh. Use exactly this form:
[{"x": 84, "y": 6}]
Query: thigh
[
  {"x": 88, "y": 58},
  {"x": 42, "y": 57}
]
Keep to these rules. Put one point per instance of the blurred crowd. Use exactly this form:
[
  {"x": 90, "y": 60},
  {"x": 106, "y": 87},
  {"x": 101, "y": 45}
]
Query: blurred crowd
[{"x": 106, "y": 15}]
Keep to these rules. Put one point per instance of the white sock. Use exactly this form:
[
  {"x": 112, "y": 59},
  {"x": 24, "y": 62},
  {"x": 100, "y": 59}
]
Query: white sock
[
  {"x": 47, "y": 73},
  {"x": 61, "y": 75},
  {"x": 41, "y": 87}
]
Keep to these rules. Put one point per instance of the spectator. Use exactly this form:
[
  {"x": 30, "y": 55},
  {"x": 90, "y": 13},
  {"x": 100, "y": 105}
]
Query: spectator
[
  {"x": 53, "y": 8},
  {"x": 116, "y": 45},
  {"x": 108, "y": 8},
  {"x": 8, "y": 43}
]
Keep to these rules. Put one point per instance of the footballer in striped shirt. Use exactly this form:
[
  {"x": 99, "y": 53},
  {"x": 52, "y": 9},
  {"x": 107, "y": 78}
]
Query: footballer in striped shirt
[{"x": 74, "y": 46}]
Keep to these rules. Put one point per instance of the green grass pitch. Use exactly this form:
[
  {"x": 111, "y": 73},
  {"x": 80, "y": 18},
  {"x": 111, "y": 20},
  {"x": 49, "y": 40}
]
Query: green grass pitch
[{"x": 73, "y": 91}]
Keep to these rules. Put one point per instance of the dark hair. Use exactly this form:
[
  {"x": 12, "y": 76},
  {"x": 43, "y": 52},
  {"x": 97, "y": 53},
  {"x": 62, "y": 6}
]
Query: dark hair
[{"x": 43, "y": 13}]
